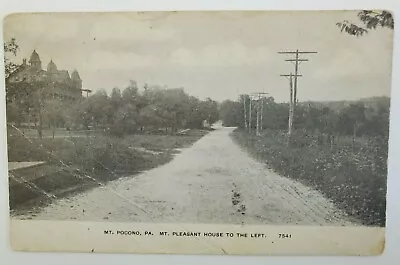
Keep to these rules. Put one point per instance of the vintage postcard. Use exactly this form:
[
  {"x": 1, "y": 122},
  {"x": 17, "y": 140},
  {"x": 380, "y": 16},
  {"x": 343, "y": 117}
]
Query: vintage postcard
[{"x": 235, "y": 132}]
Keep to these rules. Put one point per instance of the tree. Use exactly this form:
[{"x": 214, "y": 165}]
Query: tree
[
  {"x": 27, "y": 103},
  {"x": 211, "y": 114},
  {"x": 10, "y": 47},
  {"x": 73, "y": 114},
  {"x": 313, "y": 119},
  {"x": 173, "y": 106},
  {"x": 370, "y": 20},
  {"x": 275, "y": 115},
  {"x": 13, "y": 111},
  {"x": 193, "y": 115},
  {"x": 231, "y": 113},
  {"x": 115, "y": 98},
  {"x": 129, "y": 95},
  {"x": 94, "y": 110},
  {"x": 149, "y": 117},
  {"x": 125, "y": 119},
  {"x": 351, "y": 120},
  {"x": 53, "y": 114}
]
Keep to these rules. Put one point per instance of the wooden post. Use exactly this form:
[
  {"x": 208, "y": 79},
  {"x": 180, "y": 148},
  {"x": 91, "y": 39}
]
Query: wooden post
[
  {"x": 40, "y": 118},
  {"x": 245, "y": 116},
  {"x": 293, "y": 87},
  {"x": 258, "y": 118},
  {"x": 262, "y": 112},
  {"x": 290, "y": 107},
  {"x": 250, "y": 115},
  {"x": 296, "y": 69}
]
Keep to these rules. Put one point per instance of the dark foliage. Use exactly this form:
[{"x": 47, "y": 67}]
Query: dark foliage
[
  {"x": 10, "y": 48},
  {"x": 370, "y": 20},
  {"x": 354, "y": 177},
  {"x": 338, "y": 148}
]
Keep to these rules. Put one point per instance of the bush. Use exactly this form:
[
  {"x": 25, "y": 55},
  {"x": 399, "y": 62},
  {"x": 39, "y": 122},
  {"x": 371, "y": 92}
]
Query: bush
[
  {"x": 115, "y": 130},
  {"x": 20, "y": 148},
  {"x": 354, "y": 177},
  {"x": 98, "y": 154}
]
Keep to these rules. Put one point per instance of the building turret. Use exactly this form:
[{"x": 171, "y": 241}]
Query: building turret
[
  {"x": 75, "y": 75},
  {"x": 35, "y": 61},
  {"x": 52, "y": 67},
  {"x": 76, "y": 79}
]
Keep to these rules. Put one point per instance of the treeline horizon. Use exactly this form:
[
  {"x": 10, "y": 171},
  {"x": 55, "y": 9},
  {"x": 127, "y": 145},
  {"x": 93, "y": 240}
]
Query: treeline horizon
[
  {"x": 366, "y": 116},
  {"x": 219, "y": 101},
  {"x": 121, "y": 112}
]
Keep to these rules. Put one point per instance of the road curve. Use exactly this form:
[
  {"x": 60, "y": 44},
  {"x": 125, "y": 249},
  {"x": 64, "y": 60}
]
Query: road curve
[{"x": 213, "y": 181}]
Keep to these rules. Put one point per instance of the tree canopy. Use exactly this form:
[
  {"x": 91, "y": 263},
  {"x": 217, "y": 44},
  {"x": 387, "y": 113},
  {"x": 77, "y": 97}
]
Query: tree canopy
[
  {"x": 369, "y": 117},
  {"x": 370, "y": 20},
  {"x": 10, "y": 48}
]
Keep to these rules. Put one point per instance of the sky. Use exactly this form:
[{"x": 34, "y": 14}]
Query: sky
[{"x": 211, "y": 54}]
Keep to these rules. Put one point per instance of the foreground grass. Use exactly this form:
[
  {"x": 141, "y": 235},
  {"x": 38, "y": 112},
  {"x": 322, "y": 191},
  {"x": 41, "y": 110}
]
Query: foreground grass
[
  {"x": 76, "y": 164},
  {"x": 354, "y": 177}
]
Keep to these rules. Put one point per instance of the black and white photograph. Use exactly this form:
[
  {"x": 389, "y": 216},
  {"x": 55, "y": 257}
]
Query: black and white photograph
[{"x": 220, "y": 118}]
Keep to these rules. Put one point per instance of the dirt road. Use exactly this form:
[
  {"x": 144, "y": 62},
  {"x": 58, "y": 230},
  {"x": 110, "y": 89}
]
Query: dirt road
[{"x": 213, "y": 181}]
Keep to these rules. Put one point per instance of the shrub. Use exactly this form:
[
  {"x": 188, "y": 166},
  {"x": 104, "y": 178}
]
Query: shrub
[
  {"x": 20, "y": 148},
  {"x": 354, "y": 177}
]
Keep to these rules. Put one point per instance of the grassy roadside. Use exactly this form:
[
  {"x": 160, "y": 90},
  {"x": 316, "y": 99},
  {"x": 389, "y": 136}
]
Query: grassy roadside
[
  {"x": 71, "y": 160},
  {"x": 353, "y": 177}
]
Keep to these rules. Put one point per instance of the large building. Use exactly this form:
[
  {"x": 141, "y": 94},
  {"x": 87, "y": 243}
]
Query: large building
[{"x": 53, "y": 83}]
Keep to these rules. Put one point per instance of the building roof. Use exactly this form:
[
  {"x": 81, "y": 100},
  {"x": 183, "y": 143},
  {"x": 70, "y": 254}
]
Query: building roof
[
  {"x": 29, "y": 73},
  {"x": 34, "y": 57},
  {"x": 75, "y": 75},
  {"x": 63, "y": 74},
  {"x": 51, "y": 67}
]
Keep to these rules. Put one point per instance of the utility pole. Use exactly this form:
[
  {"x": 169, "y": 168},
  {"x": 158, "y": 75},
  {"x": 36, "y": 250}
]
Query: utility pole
[
  {"x": 262, "y": 112},
  {"x": 258, "y": 117},
  {"x": 291, "y": 104},
  {"x": 293, "y": 85},
  {"x": 259, "y": 96},
  {"x": 291, "y": 101},
  {"x": 250, "y": 114},
  {"x": 87, "y": 92},
  {"x": 245, "y": 110}
]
